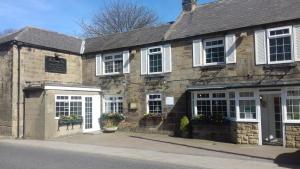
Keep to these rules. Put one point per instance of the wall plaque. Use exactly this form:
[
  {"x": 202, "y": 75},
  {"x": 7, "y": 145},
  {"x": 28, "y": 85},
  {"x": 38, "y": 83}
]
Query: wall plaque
[{"x": 55, "y": 65}]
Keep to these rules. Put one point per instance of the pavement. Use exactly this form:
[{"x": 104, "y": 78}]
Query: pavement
[{"x": 163, "y": 149}]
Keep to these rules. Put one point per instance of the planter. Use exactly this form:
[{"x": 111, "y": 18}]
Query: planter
[
  {"x": 109, "y": 129},
  {"x": 151, "y": 122},
  {"x": 215, "y": 132}
]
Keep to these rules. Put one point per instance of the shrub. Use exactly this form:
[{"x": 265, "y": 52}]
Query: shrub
[
  {"x": 184, "y": 126},
  {"x": 112, "y": 119}
]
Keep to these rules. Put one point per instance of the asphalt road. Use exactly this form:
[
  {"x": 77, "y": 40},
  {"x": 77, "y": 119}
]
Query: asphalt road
[{"x": 22, "y": 157}]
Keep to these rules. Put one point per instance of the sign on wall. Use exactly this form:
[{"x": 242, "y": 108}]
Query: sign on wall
[
  {"x": 170, "y": 101},
  {"x": 55, "y": 65}
]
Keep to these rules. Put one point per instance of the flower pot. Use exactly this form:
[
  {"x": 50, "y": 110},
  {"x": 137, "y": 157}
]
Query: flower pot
[{"x": 109, "y": 129}]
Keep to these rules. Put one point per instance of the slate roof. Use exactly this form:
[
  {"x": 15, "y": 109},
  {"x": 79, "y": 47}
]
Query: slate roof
[
  {"x": 39, "y": 37},
  {"x": 213, "y": 17},
  {"x": 127, "y": 39},
  {"x": 232, "y": 14}
]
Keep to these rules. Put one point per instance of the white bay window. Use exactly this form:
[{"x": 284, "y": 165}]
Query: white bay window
[{"x": 227, "y": 104}]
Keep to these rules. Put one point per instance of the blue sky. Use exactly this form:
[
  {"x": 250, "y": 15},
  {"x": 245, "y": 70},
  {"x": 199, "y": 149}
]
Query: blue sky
[{"x": 63, "y": 15}]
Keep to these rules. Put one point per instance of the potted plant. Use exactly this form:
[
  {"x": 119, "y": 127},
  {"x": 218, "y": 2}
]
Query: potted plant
[
  {"x": 111, "y": 121},
  {"x": 151, "y": 120}
]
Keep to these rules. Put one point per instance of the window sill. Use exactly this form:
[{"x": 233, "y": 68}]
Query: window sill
[
  {"x": 292, "y": 122},
  {"x": 281, "y": 66},
  {"x": 56, "y": 118},
  {"x": 111, "y": 75},
  {"x": 160, "y": 75},
  {"x": 212, "y": 67},
  {"x": 247, "y": 121}
]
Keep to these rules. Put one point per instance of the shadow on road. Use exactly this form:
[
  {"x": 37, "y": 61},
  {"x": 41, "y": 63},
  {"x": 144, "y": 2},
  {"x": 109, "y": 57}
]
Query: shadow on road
[
  {"x": 289, "y": 160},
  {"x": 202, "y": 148}
]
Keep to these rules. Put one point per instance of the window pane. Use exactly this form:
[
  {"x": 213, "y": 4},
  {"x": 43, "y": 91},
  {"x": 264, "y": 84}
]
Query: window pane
[
  {"x": 109, "y": 68},
  {"x": 215, "y": 51},
  {"x": 155, "y": 63},
  {"x": 203, "y": 107},
  {"x": 247, "y": 109},
  {"x": 280, "y": 49},
  {"x": 246, "y": 94},
  {"x": 232, "y": 110},
  {"x": 118, "y": 66},
  {"x": 219, "y": 107}
]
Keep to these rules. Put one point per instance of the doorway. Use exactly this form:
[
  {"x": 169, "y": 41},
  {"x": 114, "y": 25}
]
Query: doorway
[
  {"x": 91, "y": 109},
  {"x": 271, "y": 119}
]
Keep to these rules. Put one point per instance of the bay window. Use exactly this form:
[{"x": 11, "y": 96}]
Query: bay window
[{"x": 226, "y": 104}]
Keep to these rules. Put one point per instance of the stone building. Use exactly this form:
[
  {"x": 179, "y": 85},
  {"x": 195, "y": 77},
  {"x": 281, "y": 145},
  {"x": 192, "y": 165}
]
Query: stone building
[{"x": 234, "y": 58}]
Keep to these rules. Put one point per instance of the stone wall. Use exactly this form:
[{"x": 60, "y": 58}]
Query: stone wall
[
  {"x": 32, "y": 71},
  {"x": 183, "y": 74},
  {"x": 245, "y": 133},
  {"x": 6, "y": 54},
  {"x": 292, "y": 135}
]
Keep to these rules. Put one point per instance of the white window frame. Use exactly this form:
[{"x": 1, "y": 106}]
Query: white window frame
[
  {"x": 257, "y": 105},
  {"x": 69, "y": 100},
  {"x": 148, "y": 99},
  {"x": 215, "y": 46},
  {"x": 106, "y": 100},
  {"x": 277, "y": 36},
  {"x": 113, "y": 60},
  {"x": 237, "y": 99},
  {"x": 226, "y": 98},
  {"x": 162, "y": 59},
  {"x": 284, "y": 102}
]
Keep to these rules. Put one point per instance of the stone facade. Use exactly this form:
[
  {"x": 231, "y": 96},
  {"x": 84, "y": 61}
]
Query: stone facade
[
  {"x": 245, "y": 133},
  {"x": 183, "y": 74},
  {"x": 6, "y": 54},
  {"x": 292, "y": 134}
]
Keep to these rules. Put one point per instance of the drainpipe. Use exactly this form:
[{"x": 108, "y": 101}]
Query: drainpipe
[
  {"x": 24, "y": 98},
  {"x": 18, "y": 93}
]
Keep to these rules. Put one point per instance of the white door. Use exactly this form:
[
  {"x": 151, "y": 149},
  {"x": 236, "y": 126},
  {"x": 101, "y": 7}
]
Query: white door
[{"x": 91, "y": 113}]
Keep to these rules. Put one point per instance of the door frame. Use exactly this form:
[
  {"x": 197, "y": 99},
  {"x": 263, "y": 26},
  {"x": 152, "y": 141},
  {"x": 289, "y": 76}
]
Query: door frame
[
  {"x": 96, "y": 112},
  {"x": 280, "y": 93}
]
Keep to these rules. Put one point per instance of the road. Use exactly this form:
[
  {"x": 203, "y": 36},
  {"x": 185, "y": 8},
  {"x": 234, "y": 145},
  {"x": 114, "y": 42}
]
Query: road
[{"x": 27, "y": 157}]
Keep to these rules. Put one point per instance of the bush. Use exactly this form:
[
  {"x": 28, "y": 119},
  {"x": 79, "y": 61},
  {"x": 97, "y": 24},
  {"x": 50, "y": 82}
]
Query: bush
[
  {"x": 218, "y": 119},
  {"x": 112, "y": 119},
  {"x": 184, "y": 126}
]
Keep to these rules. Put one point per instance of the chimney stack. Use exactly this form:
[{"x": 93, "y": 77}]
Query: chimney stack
[{"x": 189, "y": 5}]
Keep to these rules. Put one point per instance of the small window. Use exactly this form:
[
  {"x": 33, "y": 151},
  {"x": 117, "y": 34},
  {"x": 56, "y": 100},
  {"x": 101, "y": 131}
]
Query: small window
[
  {"x": 214, "y": 51},
  {"x": 114, "y": 104},
  {"x": 113, "y": 64},
  {"x": 155, "y": 60},
  {"x": 280, "y": 45},
  {"x": 154, "y": 104}
]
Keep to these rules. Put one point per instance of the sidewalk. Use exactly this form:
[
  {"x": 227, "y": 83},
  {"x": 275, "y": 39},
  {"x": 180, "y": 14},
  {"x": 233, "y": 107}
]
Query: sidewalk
[{"x": 164, "y": 143}]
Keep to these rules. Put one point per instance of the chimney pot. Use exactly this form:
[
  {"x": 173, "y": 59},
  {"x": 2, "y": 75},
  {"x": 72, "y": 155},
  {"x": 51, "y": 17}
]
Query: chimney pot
[{"x": 189, "y": 5}]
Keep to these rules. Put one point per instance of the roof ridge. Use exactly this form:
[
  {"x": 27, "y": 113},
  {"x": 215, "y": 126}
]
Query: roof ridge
[
  {"x": 58, "y": 33},
  {"x": 134, "y": 30}
]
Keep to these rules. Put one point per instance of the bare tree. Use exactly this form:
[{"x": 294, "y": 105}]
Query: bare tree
[
  {"x": 119, "y": 17},
  {"x": 7, "y": 31}
]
